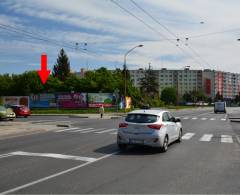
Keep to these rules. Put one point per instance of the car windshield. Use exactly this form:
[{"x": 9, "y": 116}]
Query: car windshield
[{"x": 142, "y": 118}]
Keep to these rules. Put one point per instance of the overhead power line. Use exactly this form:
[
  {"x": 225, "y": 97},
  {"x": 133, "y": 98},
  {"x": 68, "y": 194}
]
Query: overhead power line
[
  {"x": 169, "y": 31},
  {"x": 42, "y": 38},
  {"x": 153, "y": 29}
]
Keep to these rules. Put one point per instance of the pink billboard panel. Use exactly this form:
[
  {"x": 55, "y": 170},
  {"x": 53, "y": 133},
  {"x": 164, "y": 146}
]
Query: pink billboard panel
[{"x": 72, "y": 100}]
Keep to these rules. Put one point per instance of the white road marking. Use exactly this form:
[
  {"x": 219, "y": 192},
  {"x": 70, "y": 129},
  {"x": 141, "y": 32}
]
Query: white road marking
[
  {"x": 185, "y": 118},
  {"x": 194, "y": 118},
  {"x": 5, "y": 155},
  {"x": 79, "y": 130},
  {"x": 116, "y": 133},
  {"x": 187, "y": 136},
  {"x": 89, "y": 131},
  {"x": 55, "y": 175},
  {"x": 105, "y": 131},
  {"x": 212, "y": 119},
  {"x": 53, "y": 155},
  {"x": 238, "y": 138},
  {"x": 69, "y": 129},
  {"x": 206, "y": 137},
  {"x": 226, "y": 139},
  {"x": 223, "y": 119},
  {"x": 203, "y": 119}
]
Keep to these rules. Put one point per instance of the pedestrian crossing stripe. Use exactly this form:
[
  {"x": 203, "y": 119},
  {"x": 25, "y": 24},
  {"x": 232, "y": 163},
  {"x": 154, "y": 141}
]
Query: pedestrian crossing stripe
[
  {"x": 106, "y": 131},
  {"x": 203, "y": 118},
  {"x": 206, "y": 137},
  {"x": 92, "y": 130},
  {"x": 226, "y": 139},
  {"x": 187, "y": 136},
  {"x": 79, "y": 130}
]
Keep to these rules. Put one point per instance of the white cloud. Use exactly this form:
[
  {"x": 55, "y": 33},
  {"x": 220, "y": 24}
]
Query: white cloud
[{"x": 111, "y": 32}]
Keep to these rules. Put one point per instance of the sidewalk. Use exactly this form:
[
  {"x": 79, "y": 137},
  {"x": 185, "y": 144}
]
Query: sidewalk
[{"x": 90, "y": 115}]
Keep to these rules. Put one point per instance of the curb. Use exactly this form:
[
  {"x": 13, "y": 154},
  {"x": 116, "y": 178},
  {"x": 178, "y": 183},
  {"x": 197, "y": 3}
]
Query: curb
[
  {"x": 115, "y": 117},
  {"x": 75, "y": 116}
]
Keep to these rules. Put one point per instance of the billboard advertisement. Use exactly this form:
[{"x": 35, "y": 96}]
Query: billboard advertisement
[
  {"x": 43, "y": 100},
  {"x": 98, "y": 99},
  {"x": 128, "y": 101},
  {"x": 72, "y": 100},
  {"x": 15, "y": 100}
]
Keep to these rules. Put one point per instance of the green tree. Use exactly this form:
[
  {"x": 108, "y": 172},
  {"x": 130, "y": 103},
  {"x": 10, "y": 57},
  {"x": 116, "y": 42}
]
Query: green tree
[
  {"x": 61, "y": 69},
  {"x": 169, "y": 95},
  {"x": 149, "y": 83}
]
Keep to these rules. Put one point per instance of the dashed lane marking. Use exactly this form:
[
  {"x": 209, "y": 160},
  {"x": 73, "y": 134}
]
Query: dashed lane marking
[
  {"x": 194, "y": 118},
  {"x": 212, "y": 119},
  {"x": 187, "y": 136},
  {"x": 203, "y": 119},
  {"x": 206, "y": 137},
  {"x": 223, "y": 119}
]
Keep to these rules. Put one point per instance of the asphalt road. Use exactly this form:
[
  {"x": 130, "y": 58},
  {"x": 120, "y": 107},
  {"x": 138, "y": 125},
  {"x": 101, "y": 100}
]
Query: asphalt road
[{"x": 85, "y": 159}]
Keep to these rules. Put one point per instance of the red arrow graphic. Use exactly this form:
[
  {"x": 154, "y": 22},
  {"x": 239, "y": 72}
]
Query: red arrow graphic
[{"x": 43, "y": 73}]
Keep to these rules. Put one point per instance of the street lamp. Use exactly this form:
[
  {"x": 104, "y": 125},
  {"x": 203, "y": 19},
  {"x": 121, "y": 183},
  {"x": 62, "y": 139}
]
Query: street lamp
[{"x": 125, "y": 72}]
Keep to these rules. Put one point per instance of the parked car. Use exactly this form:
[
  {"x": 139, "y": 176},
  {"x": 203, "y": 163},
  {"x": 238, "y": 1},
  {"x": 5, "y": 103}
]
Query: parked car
[
  {"x": 21, "y": 110},
  {"x": 10, "y": 114},
  {"x": 155, "y": 128},
  {"x": 220, "y": 107},
  {"x": 7, "y": 113},
  {"x": 3, "y": 112}
]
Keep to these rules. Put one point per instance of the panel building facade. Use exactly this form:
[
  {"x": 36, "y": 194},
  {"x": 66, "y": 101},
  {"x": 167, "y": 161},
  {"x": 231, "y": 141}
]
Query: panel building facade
[{"x": 186, "y": 80}]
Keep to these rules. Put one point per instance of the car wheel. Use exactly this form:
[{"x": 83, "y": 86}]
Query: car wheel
[
  {"x": 165, "y": 144},
  {"x": 180, "y": 136},
  {"x": 25, "y": 116},
  {"x": 122, "y": 147}
]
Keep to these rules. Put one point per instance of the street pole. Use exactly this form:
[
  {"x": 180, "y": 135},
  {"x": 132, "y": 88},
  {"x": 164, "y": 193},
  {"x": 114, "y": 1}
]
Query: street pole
[{"x": 125, "y": 73}]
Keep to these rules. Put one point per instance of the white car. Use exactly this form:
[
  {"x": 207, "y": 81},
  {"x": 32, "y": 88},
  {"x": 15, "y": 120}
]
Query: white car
[{"x": 156, "y": 128}]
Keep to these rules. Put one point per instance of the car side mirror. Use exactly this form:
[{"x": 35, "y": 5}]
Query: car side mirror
[{"x": 177, "y": 120}]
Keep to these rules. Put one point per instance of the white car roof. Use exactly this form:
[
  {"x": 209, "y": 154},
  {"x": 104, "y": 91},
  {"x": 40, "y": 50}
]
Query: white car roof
[{"x": 146, "y": 111}]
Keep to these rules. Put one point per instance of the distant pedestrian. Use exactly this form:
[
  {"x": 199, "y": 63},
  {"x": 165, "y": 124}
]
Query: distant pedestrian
[{"x": 101, "y": 111}]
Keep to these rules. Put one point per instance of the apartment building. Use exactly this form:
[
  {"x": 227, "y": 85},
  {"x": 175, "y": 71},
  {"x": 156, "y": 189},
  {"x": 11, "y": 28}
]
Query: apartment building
[
  {"x": 187, "y": 80},
  {"x": 183, "y": 80}
]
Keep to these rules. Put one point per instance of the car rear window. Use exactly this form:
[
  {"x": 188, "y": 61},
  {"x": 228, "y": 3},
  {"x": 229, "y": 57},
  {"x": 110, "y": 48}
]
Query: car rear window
[{"x": 141, "y": 118}]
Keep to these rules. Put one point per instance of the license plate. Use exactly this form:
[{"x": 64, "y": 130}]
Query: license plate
[{"x": 135, "y": 141}]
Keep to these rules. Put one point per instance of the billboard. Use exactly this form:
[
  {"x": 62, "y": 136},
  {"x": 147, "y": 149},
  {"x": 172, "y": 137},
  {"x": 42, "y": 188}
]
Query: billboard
[
  {"x": 128, "y": 101},
  {"x": 43, "y": 100},
  {"x": 98, "y": 99},
  {"x": 15, "y": 100},
  {"x": 72, "y": 100}
]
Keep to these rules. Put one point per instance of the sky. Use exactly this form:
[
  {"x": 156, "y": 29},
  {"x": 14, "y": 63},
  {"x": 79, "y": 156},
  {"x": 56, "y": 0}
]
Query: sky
[{"x": 201, "y": 34}]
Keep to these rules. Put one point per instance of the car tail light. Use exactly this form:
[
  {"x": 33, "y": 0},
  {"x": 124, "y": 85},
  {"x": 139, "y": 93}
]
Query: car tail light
[
  {"x": 123, "y": 125},
  {"x": 155, "y": 126}
]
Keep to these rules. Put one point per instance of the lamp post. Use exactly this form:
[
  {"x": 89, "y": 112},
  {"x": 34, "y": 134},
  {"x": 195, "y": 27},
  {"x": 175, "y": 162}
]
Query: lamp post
[{"x": 125, "y": 72}]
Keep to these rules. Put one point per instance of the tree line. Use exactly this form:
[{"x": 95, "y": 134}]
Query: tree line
[{"x": 100, "y": 80}]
